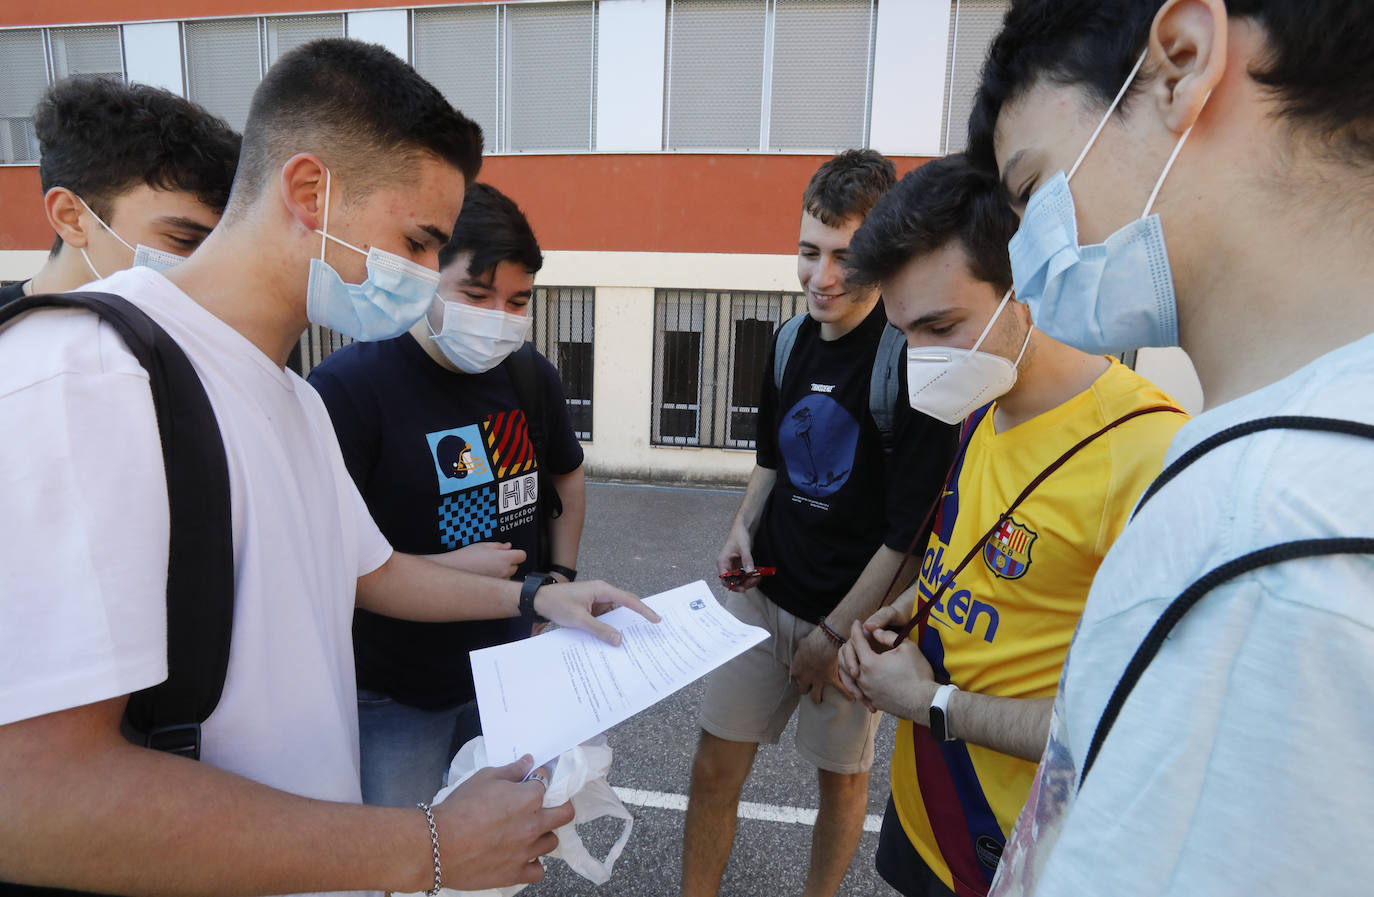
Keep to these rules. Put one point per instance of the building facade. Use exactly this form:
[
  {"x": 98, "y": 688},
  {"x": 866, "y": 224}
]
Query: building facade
[{"x": 659, "y": 147}]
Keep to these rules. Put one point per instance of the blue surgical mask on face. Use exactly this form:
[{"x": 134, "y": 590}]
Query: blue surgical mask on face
[
  {"x": 1104, "y": 297},
  {"x": 157, "y": 259},
  {"x": 144, "y": 256},
  {"x": 395, "y": 295}
]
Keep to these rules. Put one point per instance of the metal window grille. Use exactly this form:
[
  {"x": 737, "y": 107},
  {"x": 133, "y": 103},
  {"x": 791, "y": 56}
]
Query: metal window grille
[
  {"x": 286, "y": 33},
  {"x": 223, "y": 66},
  {"x": 550, "y": 68},
  {"x": 563, "y": 326},
  {"x": 822, "y": 74},
  {"x": 87, "y": 51},
  {"x": 714, "y": 94},
  {"x": 459, "y": 52},
  {"x": 23, "y": 78},
  {"x": 316, "y": 344},
  {"x": 710, "y": 362},
  {"x": 973, "y": 24}
]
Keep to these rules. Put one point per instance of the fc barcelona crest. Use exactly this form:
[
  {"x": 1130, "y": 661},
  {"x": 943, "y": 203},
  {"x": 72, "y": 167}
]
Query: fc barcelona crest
[{"x": 1008, "y": 552}]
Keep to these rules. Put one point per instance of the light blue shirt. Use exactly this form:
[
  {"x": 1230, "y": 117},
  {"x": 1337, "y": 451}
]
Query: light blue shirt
[{"x": 1243, "y": 762}]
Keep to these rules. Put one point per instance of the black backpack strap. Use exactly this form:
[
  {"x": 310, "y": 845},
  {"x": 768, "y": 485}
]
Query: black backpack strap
[
  {"x": 200, "y": 568},
  {"x": 1287, "y": 422},
  {"x": 1264, "y": 557},
  {"x": 529, "y": 394}
]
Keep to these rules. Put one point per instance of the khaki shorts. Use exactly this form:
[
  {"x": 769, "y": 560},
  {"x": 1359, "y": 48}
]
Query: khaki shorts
[{"x": 752, "y": 697}]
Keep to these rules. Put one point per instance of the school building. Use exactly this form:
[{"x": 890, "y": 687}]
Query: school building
[{"x": 659, "y": 148}]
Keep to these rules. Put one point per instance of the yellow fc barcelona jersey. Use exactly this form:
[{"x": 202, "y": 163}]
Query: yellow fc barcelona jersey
[{"x": 1004, "y": 623}]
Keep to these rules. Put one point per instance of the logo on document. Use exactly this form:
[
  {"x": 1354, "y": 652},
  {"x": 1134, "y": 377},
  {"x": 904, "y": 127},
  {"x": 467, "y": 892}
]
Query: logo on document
[
  {"x": 698, "y": 604},
  {"x": 1008, "y": 552}
]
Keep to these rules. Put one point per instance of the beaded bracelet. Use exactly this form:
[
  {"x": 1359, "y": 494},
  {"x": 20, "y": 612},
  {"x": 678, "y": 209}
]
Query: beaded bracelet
[{"x": 831, "y": 634}]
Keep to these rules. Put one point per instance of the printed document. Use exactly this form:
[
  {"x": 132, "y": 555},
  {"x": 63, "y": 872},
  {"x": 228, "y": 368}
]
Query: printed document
[{"x": 547, "y": 694}]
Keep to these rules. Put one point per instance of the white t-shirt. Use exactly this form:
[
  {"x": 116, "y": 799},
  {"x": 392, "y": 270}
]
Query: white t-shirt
[
  {"x": 1243, "y": 761},
  {"x": 83, "y": 538}
]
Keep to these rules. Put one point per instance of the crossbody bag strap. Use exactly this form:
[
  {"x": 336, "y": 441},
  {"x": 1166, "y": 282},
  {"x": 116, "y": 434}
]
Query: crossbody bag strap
[
  {"x": 922, "y": 614},
  {"x": 1230, "y": 434},
  {"x": 1264, "y": 557}
]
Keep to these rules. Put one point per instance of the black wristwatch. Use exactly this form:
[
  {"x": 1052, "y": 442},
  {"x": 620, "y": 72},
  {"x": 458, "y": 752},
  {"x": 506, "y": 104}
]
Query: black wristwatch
[
  {"x": 533, "y": 583},
  {"x": 567, "y": 573}
]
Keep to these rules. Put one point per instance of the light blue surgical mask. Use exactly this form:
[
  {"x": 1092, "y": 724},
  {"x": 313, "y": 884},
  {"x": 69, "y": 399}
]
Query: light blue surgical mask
[
  {"x": 395, "y": 295},
  {"x": 157, "y": 259},
  {"x": 144, "y": 256},
  {"x": 1104, "y": 297}
]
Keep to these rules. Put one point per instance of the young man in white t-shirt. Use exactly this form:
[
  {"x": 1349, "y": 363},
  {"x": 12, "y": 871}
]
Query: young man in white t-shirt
[
  {"x": 336, "y": 126},
  {"x": 1242, "y": 762}
]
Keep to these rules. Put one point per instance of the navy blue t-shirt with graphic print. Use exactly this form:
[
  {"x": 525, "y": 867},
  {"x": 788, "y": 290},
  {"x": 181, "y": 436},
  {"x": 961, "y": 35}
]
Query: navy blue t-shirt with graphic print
[
  {"x": 838, "y": 496},
  {"x": 443, "y": 459}
]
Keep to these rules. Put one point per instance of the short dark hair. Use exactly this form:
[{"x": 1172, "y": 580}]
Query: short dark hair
[
  {"x": 1318, "y": 65},
  {"x": 99, "y": 137},
  {"x": 848, "y": 185},
  {"x": 366, "y": 113},
  {"x": 942, "y": 201},
  {"x": 491, "y": 227}
]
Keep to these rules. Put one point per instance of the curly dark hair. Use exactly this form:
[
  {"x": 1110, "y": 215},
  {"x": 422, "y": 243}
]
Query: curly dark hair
[
  {"x": 1318, "y": 64},
  {"x": 491, "y": 227},
  {"x": 100, "y": 137},
  {"x": 944, "y": 200},
  {"x": 363, "y": 110},
  {"x": 848, "y": 185}
]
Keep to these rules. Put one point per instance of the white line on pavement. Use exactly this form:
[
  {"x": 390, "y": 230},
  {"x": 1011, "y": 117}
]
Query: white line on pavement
[{"x": 664, "y": 800}]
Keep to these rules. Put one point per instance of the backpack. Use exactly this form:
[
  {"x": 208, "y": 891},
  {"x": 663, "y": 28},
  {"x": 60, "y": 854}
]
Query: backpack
[
  {"x": 884, "y": 383},
  {"x": 529, "y": 395},
  {"x": 200, "y": 566},
  {"x": 200, "y": 563}
]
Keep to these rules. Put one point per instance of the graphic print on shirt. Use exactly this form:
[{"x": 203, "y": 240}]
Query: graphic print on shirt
[
  {"x": 467, "y": 518},
  {"x": 1008, "y": 552},
  {"x": 817, "y": 439},
  {"x": 957, "y": 608},
  {"x": 487, "y": 481},
  {"x": 459, "y": 459},
  {"x": 512, "y": 456}
]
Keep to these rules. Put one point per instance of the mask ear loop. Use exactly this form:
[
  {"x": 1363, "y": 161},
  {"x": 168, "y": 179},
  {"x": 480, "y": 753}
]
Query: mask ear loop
[
  {"x": 1110, "y": 109},
  {"x": 1178, "y": 147},
  {"x": 443, "y": 315},
  {"x": 1026, "y": 342},
  {"x": 1006, "y": 297},
  {"x": 101, "y": 221},
  {"x": 323, "y": 230},
  {"x": 89, "y": 265}
]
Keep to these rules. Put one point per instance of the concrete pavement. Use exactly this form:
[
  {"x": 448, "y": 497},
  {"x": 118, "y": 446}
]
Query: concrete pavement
[{"x": 648, "y": 539}]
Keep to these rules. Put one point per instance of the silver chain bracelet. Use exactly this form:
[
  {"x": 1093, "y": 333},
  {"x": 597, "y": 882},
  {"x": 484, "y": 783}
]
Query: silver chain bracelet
[{"x": 434, "y": 839}]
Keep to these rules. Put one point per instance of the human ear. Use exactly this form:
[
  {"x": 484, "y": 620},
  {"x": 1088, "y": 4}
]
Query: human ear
[
  {"x": 1188, "y": 48},
  {"x": 303, "y": 183},
  {"x": 64, "y": 213}
]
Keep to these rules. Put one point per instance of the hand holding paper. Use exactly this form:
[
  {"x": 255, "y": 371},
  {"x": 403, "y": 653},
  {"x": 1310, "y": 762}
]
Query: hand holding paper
[
  {"x": 577, "y": 605},
  {"x": 544, "y": 695}
]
